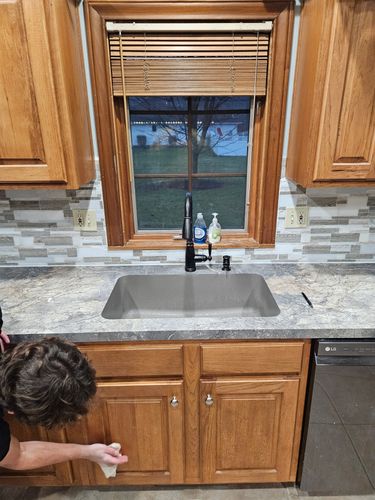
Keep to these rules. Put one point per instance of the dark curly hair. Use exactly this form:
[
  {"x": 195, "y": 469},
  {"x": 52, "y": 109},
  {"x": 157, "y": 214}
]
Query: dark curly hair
[{"x": 46, "y": 383}]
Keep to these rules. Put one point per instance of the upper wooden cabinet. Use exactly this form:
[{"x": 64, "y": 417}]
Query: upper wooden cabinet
[
  {"x": 332, "y": 133},
  {"x": 45, "y": 133}
]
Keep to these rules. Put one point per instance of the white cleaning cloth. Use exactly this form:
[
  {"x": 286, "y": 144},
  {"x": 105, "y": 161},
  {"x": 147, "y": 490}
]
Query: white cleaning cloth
[{"x": 110, "y": 470}]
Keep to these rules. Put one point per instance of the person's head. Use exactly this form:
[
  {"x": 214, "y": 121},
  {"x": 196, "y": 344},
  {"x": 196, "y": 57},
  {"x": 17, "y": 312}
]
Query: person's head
[{"x": 46, "y": 383}]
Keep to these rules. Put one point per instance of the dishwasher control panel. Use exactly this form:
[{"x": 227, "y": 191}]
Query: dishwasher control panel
[{"x": 345, "y": 348}]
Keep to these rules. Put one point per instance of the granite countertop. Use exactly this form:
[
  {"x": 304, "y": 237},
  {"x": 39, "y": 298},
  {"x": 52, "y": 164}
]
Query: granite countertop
[{"x": 68, "y": 301}]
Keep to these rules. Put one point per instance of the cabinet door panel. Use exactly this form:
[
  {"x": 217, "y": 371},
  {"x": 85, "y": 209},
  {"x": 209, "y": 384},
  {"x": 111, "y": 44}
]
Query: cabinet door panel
[
  {"x": 59, "y": 474},
  {"x": 256, "y": 416},
  {"x": 30, "y": 144},
  {"x": 139, "y": 415},
  {"x": 147, "y": 449},
  {"x": 347, "y": 130},
  {"x": 247, "y": 433}
]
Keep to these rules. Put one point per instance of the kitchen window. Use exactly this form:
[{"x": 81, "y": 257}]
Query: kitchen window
[
  {"x": 190, "y": 97},
  {"x": 197, "y": 144}
]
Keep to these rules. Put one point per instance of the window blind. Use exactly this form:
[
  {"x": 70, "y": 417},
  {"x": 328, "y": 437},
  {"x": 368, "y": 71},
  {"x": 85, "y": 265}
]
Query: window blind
[{"x": 188, "y": 63}]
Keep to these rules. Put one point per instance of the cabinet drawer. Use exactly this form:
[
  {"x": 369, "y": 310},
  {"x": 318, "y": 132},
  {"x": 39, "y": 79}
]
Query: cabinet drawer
[
  {"x": 250, "y": 358},
  {"x": 135, "y": 361}
]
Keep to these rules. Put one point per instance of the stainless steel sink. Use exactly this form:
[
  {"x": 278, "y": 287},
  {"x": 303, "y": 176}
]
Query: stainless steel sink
[{"x": 190, "y": 295}]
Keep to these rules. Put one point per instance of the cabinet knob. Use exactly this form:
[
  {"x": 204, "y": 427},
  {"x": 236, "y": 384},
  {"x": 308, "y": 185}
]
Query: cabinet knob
[
  {"x": 174, "y": 402},
  {"x": 209, "y": 400}
]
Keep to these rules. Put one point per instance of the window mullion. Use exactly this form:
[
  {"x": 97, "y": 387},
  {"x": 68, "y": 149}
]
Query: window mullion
[{"x": 190, "y": 146}]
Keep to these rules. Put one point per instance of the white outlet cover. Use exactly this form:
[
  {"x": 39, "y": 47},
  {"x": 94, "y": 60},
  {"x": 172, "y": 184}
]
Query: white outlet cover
[
  {"x": 84, "y": 220},
  {"x": 296, "y": 217}
]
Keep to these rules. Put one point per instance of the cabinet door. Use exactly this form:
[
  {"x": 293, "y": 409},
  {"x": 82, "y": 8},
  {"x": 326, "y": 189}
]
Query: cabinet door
[
  {"x": 146, "y": 418},
  {"x": 247, "y": 429},
  {"x": 60, "y": 474},
  {"x": 31, "y": 148},
  {"x": 346, "y": 140}
]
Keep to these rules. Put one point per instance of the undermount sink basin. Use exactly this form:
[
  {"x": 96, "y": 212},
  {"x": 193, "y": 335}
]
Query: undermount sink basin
[{"x": 190, "y": 295}]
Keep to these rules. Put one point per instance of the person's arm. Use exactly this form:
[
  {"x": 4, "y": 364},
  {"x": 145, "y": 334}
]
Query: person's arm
[
  {"x": 33, "y": 454},
  {"x": 4, "y": 339}
]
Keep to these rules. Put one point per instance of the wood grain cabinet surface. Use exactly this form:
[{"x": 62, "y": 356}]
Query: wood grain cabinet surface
[
  {"x": 146, "y": 417},
  {"x": 54, "y": 475},
  {"x": 332, "y": 135},
  {"x": 45, "y": 133},
  {"x": 183, "y": 418},
  {"x": 247, "y": 428}
]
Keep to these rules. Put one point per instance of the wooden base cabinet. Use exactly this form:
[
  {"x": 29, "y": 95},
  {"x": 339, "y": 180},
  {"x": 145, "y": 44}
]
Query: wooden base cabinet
[
  {"x": 147, "y": 419},
  {"x": 247, "y": 429},
  {"x": 189, "y": 413},
  {"x": 54, "y": 475}
]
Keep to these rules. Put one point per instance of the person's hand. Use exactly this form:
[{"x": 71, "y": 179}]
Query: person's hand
[
  {"x": 4, "y": 339},
  {"x": 104, "y": 455}
]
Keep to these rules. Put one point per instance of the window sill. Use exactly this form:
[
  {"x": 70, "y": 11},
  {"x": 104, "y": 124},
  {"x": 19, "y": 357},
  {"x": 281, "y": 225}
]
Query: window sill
[{"x": 166, "y": 242}]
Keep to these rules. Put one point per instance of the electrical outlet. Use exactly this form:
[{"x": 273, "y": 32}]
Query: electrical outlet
[
  {"x": 84, "y": 220},
  {"x": 296, "y": 217}
]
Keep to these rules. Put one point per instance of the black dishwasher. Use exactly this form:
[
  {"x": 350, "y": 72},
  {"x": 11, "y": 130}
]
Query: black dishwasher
[{"x": 338, "y": 450}]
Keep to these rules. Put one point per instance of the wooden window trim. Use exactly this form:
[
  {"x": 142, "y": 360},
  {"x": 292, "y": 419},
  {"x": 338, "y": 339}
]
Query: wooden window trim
[{"x": 269, "y": 116}]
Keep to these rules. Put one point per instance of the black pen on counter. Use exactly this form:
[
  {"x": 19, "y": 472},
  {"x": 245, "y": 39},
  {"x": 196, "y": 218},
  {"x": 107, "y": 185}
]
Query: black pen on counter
[{"x": 307, "y": 299}]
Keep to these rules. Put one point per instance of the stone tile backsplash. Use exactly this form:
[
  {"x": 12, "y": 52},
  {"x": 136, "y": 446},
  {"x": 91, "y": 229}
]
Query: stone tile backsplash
[{"x": 36, "y": 229}]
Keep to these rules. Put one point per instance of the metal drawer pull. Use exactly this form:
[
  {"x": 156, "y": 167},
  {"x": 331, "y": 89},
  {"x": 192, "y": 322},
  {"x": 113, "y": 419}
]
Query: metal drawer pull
[
  {"x": 174, "y": 402},
  {"x": 209, "y": 400}
]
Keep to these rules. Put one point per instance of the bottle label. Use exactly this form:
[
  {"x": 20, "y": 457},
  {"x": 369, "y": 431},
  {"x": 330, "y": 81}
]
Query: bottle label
[
  {"x": 214, "y": 235},
  {"x": 199, "y": 234}
]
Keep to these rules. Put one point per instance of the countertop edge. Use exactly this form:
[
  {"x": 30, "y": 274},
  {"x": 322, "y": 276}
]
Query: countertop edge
[{"x": 219, "y": 335}]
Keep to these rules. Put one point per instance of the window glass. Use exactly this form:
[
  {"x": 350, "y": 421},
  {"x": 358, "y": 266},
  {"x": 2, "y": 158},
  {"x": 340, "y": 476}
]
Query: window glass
[
  {"x": 225, "y": 195},
  {"x": 159, "y": 144},
  {"x": 220, "y": 103},
  {"x": 219, "y": 147},
  {"x": 173, "y": 104},
  {"x": 159, "y": 203},
  {"x": 197, "y": 144}
]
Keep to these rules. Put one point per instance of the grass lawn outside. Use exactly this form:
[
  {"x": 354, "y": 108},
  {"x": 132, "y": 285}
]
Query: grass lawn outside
[
  {"x": 174, "y": 160},
  {"x": 160, "y": 202}
]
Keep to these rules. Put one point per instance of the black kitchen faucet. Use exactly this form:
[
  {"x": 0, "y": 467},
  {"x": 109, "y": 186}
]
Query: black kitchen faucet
[{"x": 187, "y": 233}]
